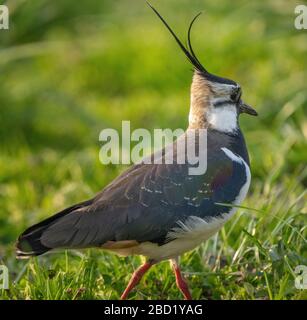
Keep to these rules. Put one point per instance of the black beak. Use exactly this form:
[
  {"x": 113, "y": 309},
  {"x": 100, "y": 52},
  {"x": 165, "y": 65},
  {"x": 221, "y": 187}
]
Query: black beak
[{"x": 245, "y": 108}]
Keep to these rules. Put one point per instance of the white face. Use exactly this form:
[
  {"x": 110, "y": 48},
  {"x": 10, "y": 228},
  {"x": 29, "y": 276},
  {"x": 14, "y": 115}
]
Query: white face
[
  {"x": 223, "y": 119},
  {"x": 222, "y": 113}
]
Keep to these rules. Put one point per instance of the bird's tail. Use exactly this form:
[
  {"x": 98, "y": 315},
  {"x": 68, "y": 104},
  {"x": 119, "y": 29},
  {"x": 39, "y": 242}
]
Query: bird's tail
[{"x": 29, "y": 242}]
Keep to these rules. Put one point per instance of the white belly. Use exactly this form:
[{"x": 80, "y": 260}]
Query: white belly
[{"x": 186, "y": 237}]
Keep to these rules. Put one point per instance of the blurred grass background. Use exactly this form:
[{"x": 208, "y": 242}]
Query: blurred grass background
[{"x": 69, "y": 70}]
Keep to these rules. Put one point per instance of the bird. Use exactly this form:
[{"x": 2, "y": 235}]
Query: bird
[{"x": 160, "y": 211}]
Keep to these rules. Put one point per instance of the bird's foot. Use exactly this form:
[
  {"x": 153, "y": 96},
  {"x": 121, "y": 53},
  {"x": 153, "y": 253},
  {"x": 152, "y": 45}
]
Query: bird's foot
[
  {"x": 180, "y": 281},
  {"x": 136, "y": 278}
]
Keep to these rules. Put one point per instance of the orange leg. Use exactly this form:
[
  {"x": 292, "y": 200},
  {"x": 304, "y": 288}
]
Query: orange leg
[
  {"x": 136, "y": 278},
  {"x": 180, "y": 281}
]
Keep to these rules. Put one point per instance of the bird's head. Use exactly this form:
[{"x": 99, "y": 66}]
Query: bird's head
[{"x": 215, "y": 101}]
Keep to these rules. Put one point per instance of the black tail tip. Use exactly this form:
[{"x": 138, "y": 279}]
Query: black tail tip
[{"x": 26, "y": 249}]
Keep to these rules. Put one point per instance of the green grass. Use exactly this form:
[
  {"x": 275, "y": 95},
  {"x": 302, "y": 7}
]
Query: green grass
[{"x": 67, "y": 71}]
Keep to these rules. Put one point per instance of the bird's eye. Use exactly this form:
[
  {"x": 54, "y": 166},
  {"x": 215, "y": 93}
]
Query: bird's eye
[{"x": 236, "y": 95}]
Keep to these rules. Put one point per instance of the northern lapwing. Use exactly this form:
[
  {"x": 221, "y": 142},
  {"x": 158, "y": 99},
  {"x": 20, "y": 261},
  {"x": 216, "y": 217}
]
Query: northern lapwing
[{"x": 161, "y": 211}]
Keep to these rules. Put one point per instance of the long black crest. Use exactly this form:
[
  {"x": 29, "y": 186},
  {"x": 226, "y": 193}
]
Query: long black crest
[
  {"x": 189, "y": 39},
  {"x": 189, "y": 52}
]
